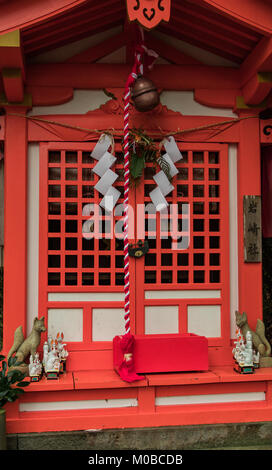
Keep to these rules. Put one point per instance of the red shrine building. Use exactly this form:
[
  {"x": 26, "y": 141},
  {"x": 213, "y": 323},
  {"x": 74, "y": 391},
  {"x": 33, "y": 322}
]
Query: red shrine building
[{"x": 64, "y": 68}]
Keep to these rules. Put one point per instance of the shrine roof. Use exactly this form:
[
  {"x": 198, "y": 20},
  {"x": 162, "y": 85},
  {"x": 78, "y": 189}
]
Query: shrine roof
[{"x": 227, "y": 28}]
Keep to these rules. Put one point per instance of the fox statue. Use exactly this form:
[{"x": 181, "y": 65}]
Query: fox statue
[
  {"x": 260, "y": 343},
  {"x": 25, "y": 347}
]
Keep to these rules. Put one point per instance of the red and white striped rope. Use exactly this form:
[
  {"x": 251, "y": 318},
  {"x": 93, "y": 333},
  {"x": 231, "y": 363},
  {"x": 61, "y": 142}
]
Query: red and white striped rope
[{"x": 137, "y": 67}]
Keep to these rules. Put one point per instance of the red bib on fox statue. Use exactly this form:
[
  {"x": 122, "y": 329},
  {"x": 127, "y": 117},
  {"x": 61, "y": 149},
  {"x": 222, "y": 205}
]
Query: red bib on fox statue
[{"x": 149, "y": 13}]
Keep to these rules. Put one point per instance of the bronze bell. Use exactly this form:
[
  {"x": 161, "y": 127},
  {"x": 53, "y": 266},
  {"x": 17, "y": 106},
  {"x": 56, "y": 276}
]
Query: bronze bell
[{"x": 144, "y": 94}]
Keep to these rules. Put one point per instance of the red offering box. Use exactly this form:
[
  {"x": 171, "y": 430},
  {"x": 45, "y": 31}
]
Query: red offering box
[
  {"x": 170, "y": 353},
  {"x": 165, "y": 353}
]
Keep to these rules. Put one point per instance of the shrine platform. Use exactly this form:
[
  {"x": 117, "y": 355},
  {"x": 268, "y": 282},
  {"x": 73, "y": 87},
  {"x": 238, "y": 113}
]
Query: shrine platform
[{"x": 99, "y": 399}]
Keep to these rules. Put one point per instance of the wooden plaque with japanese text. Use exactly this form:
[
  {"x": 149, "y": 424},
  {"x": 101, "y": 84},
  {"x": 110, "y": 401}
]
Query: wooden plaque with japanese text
[{"x": 252, "y": 229}]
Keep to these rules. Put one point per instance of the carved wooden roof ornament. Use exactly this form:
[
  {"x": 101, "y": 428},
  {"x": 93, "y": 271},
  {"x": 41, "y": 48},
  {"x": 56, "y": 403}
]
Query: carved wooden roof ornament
[{"x": 149, "y": 13}]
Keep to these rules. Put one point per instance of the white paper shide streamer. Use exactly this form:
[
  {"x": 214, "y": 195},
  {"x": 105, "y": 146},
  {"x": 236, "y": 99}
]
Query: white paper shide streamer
[
  {"x": 103, "y": 169},
  {"x": 105, "y": 160},
  {"x": 164, "y": 187}
]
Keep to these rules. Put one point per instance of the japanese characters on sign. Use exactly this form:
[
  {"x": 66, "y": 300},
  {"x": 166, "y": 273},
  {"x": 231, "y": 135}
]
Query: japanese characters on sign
[{"x": 252, "y": 229}]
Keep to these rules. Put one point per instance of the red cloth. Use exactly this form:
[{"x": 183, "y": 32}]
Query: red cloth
[
  {"x": 267, "y": 191},
  {"x": 126, "y": 369}
]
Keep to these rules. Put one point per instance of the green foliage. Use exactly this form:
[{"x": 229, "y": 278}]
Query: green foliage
[
  {"x": 137, "y": 164},
  {"x": 143, "y": 149},
  {"x": 11, "y": 381}
]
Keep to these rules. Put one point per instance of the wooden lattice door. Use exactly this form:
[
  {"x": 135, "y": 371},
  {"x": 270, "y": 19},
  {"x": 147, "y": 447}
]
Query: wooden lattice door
[
  {"x": 170, "y": 286},
  {"x": 182, "y": 285},
  {"x": 81, "y": 274}
]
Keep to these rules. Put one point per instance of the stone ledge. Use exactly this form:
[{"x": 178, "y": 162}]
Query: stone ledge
[{"x": 234, "y": 435}]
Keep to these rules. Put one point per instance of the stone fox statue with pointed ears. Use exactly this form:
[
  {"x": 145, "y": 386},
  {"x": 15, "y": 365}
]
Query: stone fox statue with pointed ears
[
  {"x": 259, "y": 340},
  {"x": 24, "y": 347}
]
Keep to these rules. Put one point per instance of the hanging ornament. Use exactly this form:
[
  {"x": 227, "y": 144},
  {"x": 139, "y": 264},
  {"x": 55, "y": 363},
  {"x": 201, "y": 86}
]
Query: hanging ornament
[
  {"x": 164, "y": 187},
  {"x": 149, "y": 13},
  {"x": 144, "y": 94},
  {"x": 103, "y": 169},
  {"x": 138, "y": 249}
]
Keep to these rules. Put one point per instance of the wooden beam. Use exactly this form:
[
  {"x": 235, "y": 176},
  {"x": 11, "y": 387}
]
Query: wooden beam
[
  {"x": 12, "y": 66},
  {"x": 25, "y": 103},
  {"x": 99, "y": 76},
  {"x": 11, "y": 52},
  {"x": 189, "y": 36},
  {"x": 255, "y": 14},
  {"x": 49, "y": 96},
  {"x": 15, "y": 228},
  {"x": 11, "y": 39},
  {"x": 94, "y": 53},
  {"x": 256, "y": 73},
  {"x": 259, "y": 60},
  {"x": 213, "y": 21},
  {"x": 87, "y": 28},
  {"x": 248, "y": 183},
  {"x": 132, "y": 31},
  {"x": 257, "y": 88},
  {"x": 63, "y": 30},
  {"x": 23, "y": 13},
  {"x": 2, "y": 128},
  {"x": 169, "y": 52},
  {"x": 71, "y": 16},
  {"x": 209, "y": 33},
  {"x": 13, "y": 85},
  {"x": 217, "y": 98}
]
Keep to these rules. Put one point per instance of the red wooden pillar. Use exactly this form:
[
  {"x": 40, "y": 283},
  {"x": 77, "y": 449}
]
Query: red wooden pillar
[
  {"x": 15, "y": 224},
  {"x": 249, "y": 183}
]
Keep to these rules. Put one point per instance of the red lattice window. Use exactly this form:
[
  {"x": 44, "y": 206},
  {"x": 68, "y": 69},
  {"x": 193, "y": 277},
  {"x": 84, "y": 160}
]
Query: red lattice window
[
  {"x": 198, "y": 273},
  {"x": 199, "y": 194},
  {"x": 74, "y": 260},
  {"x": 71, "y": 263}
]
